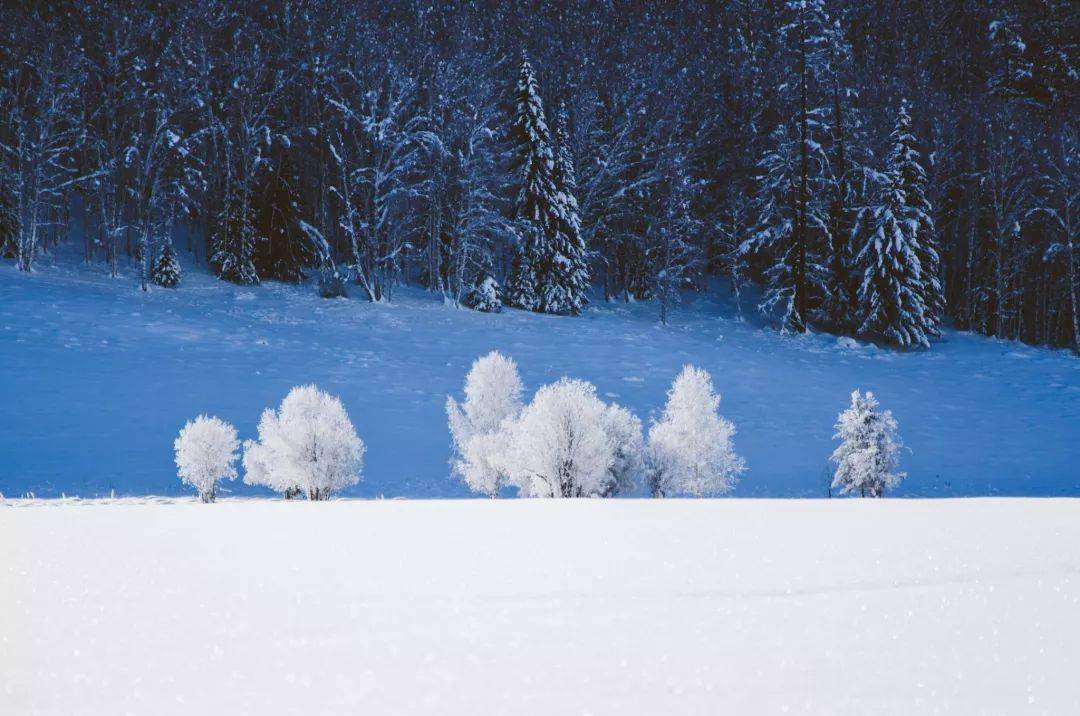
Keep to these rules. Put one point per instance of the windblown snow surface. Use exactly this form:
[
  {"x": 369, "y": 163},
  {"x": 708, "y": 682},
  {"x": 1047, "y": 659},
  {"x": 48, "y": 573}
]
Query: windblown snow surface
[
  {"x": 541, "y": 607},
  {"x": 99, "y": 377}
]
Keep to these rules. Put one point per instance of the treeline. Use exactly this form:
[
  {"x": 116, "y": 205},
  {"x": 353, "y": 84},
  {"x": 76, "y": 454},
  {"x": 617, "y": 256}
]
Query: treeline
[{"x": 876, "y": 167}]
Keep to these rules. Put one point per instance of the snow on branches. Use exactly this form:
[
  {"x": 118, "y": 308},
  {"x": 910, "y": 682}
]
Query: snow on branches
[
  {"x": 690, "y": 449},
  {"x": 307, "y": 447},
  {"x": 206, "y": 452},
  {"x": 479, "y": 424},
  {"x": 868, "y": 456}
]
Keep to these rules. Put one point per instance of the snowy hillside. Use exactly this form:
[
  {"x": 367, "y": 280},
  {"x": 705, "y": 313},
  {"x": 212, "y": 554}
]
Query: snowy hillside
[
  {"x": 540, "y": 607},
  {"x": 104, "y": 376}
]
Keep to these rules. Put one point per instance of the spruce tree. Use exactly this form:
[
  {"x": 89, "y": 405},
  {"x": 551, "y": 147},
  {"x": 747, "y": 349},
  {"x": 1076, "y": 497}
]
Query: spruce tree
[
  {"x": 869, "y": 453},
  {"x": 549, "y": 272},
  {"x": 792, "y": 196},
  {"x": 537, "y": 211},
  {"x": 564, "y": 291},
  {"x": 891, "y": 295},
  {"x": 166, "y": 272},
  {"x": 234, "y": 244},
  {"x": 913, "y": 182}
]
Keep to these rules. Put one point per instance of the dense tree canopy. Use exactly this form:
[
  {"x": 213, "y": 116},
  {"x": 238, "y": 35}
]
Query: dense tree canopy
[{"x": 381, "y": 141}]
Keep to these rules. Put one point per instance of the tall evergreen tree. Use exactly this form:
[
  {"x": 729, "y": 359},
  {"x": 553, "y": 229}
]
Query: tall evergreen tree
[
  {"x": 234, "y": 244},
  {"x": 565, "y": 289},
  {"x": 913, "y": 183},
  {"x": 537, "y": 211},
  {"x": 793, "y": 230},
  {"x": 891, "y": 296},
  {"x": 549, "y": 272}
]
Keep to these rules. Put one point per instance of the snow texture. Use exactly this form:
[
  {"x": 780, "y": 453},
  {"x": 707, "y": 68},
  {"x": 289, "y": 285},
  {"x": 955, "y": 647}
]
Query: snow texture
[{"x": 694, "y": 607}]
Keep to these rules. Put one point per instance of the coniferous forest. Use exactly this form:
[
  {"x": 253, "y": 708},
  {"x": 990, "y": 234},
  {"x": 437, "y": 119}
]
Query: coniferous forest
[{"x": 874, "y": 169}]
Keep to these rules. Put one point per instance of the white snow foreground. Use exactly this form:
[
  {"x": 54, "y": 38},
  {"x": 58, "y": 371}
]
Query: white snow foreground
[{"x": 538, "y": 607}]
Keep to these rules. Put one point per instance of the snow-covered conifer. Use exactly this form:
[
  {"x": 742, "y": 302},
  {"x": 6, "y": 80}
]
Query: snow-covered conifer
[
  {"x": 559, "y": 447},
  {"x": 479, "y": 424},
  {"x": 550, "y": 272},
  {"x": 912, "y": 177},
  {"x": 793, "y": 180},
  {"x": 868, "y": 456},
  {"x": 206, "y": 451},
  {"x": 690, "y": 449},
  {"x": 537, "y": 210},
  {"x": 167, "y": 268},
  {"x": 485, "y": 295},
  {"x": 892, "y": 295},
  {"x": 308, "y": 446},
  {"x": 565, "y": 289},
  {"x": 234, "y": 244}
]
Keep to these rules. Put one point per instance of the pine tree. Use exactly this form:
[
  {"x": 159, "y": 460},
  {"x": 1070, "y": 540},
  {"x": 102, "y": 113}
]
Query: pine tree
[
  {"x": 166, "y": 271},
  {"x": 913, "y": 183},
  {"x": 564, "y": 291},
  {"x": 868, "y": 456},
  {"x": 234, "y": 244},
  {"x": 891, "y": 296},
  {"x": 793, "y": 228},
  {"x": 536, "y": 208},
  {"x": 549, "y": 272}
]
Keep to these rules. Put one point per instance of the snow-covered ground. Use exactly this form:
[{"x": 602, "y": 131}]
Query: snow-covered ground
[
  {"x": 541, "y": 607},
  {"x": 100, "y": 377}
]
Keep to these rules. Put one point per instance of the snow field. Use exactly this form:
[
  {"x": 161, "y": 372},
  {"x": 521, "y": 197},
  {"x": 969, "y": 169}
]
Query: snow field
[
  {"x": 540, "y": 607},
  {"x": 105, "y": 376}
]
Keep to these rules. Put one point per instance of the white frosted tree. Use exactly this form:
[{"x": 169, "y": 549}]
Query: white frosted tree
[
  {"x": 868, "y": 456},
  {"x": 479, "y": 425},
  {"x": 690, "y": 448},
  {"x": 624, "y": 430},
  {"x": 308, "y": 446},
  {"x": 568, "y": 443},
  {"x": 206, "y": 452}
]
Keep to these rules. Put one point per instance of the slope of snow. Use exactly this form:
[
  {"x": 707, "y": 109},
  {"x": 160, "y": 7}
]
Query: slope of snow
[
  {"x": 541, "y": 607},
  {"x": 100, "y": 377}
]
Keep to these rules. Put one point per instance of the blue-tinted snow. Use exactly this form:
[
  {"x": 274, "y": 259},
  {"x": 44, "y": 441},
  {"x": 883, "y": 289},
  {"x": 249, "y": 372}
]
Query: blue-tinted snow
[{"x": 98, "y": 378}]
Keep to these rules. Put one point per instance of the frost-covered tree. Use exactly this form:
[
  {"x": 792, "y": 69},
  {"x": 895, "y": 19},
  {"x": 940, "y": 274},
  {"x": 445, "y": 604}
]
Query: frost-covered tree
[
  {"x": 479, "y": 426},
  {"x": 868, "y": 456},
  {"x": 308, "y": 446},
  {"x": 628, "y": 464},
  {"x": 566, "y": 444},
  {"x": 206, "y": 452},
  {"x": 166, "y": 272},
  {"x": 892, "y": 293},
  {"x": 690, "y": 448}
]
